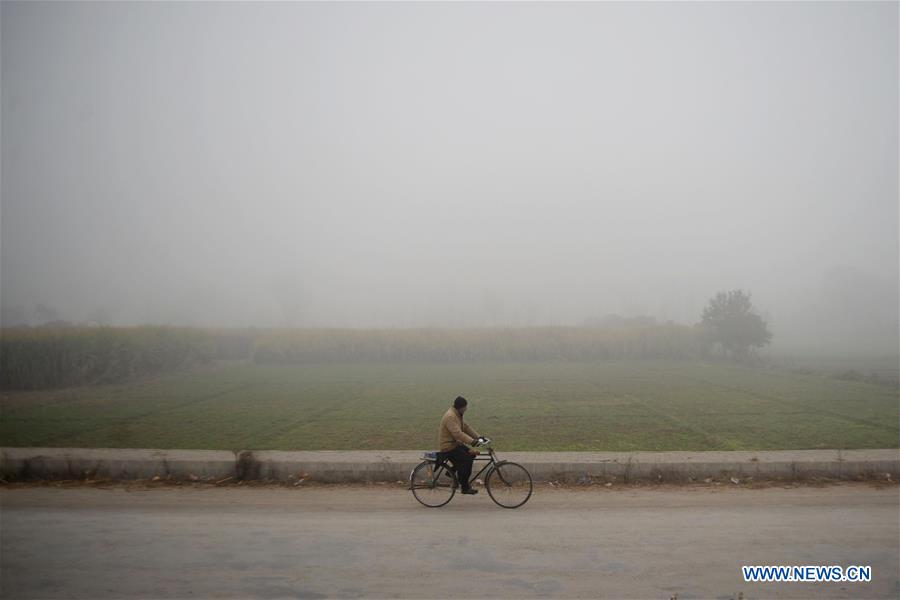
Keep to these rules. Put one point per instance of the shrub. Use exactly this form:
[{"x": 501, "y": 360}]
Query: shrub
[{"x": 58, "y": 357}]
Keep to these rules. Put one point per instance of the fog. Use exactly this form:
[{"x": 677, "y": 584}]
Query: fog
[{"x": 452, "y": 165}]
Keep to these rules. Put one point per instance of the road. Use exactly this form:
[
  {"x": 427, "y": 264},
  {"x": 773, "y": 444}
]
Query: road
[{"x": 376, "y": 541}]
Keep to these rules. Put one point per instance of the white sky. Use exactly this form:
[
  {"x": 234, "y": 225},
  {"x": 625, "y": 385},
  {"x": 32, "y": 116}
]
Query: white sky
[{"x": 423, "y": 164}]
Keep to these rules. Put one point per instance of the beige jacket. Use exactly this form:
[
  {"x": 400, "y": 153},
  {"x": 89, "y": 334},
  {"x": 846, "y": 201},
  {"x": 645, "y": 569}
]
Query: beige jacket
[{"x": 453, "y": 430}]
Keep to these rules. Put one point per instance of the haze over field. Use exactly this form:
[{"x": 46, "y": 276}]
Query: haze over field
[{"x": 408, "y": 165}]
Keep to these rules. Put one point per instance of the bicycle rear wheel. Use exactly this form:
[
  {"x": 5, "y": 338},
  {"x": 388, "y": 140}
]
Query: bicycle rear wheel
[
  {"x": 509, "y": 484},
  {"x": 433, "y": 485}
]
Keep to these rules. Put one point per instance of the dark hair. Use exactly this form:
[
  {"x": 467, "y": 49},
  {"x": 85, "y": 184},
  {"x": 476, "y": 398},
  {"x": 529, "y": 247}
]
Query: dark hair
[{"x": 459, "y": 402}]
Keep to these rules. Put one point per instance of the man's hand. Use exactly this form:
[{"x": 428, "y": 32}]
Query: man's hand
[{"x": 480, "y": 441}]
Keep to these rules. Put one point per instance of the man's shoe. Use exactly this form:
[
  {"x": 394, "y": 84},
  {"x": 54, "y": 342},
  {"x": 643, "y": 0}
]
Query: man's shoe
[{"x": 470, "y": 491}]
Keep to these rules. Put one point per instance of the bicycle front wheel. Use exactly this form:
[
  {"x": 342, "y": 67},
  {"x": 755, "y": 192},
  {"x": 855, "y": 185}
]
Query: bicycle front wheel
[
  {"x": 432, "y": 485},
  {"x": 509, "y": 484}
]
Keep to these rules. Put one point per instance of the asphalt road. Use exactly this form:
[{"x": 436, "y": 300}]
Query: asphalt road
[{"x": 344, "y": 541}]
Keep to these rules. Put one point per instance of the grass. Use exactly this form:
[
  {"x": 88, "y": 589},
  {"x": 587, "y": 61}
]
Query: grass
[{"x": 588, "y": 405}]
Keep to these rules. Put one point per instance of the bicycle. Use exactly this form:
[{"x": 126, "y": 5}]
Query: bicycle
[{"x": 433, "y": 482}]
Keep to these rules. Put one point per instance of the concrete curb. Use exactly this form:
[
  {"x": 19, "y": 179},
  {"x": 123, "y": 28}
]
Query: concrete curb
[
  {"x": 18, "y": 464},
  {"x": 113, "y": 463}
]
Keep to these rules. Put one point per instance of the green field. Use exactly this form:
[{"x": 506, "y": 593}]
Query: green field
[{"x": 608, "y": 405}]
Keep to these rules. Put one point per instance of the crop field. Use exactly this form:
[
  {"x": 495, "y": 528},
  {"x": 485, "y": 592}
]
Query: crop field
[{"x": 566, "y": 405}]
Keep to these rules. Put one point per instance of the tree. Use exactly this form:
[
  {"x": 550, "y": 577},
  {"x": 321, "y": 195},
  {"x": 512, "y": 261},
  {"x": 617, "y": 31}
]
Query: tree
[{"x": 731, "y": 321}]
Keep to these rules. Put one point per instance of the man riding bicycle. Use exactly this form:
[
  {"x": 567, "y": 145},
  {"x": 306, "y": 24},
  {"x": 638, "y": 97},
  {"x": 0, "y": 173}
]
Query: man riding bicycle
[
  {"x": 434, "y": 481},
  {"x": 454, "y": 437}
]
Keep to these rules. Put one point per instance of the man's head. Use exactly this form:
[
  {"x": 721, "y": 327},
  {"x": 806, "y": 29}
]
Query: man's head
[{"x": 460, "y": 404}]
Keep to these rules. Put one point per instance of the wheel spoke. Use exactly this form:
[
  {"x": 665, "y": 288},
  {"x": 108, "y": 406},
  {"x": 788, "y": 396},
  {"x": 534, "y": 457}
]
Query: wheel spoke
[
  {"x": 432, "y": 486},
  {"x": 509, "y": 485}
]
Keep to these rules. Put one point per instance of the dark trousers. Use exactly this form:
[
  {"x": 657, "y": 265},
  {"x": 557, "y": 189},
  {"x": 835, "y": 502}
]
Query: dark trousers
[{"x": 462, "y": 462}]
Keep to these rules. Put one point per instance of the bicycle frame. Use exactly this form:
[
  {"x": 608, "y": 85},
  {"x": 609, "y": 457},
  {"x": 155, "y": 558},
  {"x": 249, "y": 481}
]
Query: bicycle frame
[{"x": 490, "y": 459}]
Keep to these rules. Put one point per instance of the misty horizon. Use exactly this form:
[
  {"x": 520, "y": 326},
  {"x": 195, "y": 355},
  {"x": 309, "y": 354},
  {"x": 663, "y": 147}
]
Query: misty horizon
[{"x": 452, "y": 165}]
